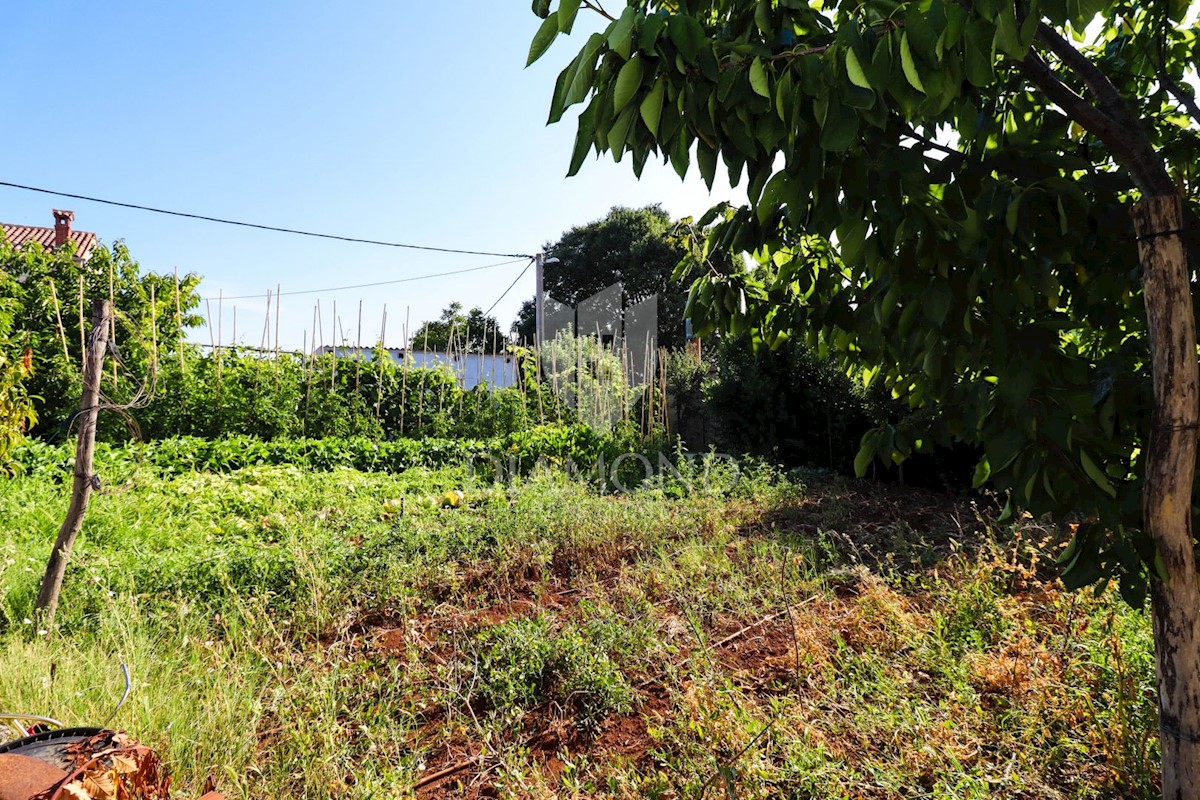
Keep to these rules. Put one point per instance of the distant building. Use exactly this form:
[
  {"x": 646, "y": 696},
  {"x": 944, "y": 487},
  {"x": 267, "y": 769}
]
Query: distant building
[
  {"x": 52, "y": 238},
  {"x": 361, "y": 353},
  {"x": 472, "y": 369}
]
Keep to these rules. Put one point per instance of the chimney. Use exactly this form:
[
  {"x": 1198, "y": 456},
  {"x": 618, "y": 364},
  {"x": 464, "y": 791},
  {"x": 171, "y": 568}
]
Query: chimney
[{"x": 62, "y": 226}]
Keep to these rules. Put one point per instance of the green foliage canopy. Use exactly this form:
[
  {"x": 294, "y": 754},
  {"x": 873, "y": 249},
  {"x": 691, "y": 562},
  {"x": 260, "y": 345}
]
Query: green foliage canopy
[
  {"x": 472, "y": 332},
  {"x": 636, "y": 247},
  {"x": 47, "y": 292},
  {"x": 939, "y": 191}
]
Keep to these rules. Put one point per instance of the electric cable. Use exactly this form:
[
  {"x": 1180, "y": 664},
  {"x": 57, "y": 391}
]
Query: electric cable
[{"x": 257, "y": 226}]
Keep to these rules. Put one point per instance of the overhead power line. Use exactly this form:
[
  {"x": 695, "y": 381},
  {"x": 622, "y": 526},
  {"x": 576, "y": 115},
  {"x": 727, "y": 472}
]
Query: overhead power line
[
  {"x": 377, "y": 283},
  {"x": 510, "y": 288},
  {"x": 257, "y": 226}
]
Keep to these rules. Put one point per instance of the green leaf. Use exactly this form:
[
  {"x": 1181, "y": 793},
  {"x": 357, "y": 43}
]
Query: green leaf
[
  {"x": 541, "y": 8},
  {"x": 585, "y": 137},
  {"x": 852, "y": 235},
  {"x": 881, "y": 62},
  {"x": 758, "y": 78},
  {"x": 909, "y": 66},
  {"x": 581, "y": 82},
  {"x": 977, "y": 54},
  {"x": 651, "y": 28},
  {"x": 652, "y": 106},
  {"x": 855, "y": 70},
  {"x": 772, "y": 197},
  {"x": 679, "y": 155},
  {"x": 686, "y": 34},
  {"x": 1096, "y": 474},
  {"x": 542, "y": 40},
  {"x": 559, "y": 101},
  {"x": 618, "y": 133},
  {"x": 1085, "y": 569},
  {"x": 629, "y": 80},
  {"x": 567, "y": 11},
  {"x": 620, "y": 36},
  {"x": 983, "y": 471},
  {"x": 858, "y": 97},
  {"x": 762, "y": 17},
  {"x": 706, "y": 161},
  {"x": 862, "y": 461},
  {"x": 1013, "y": 215},
  {"x": 1008, "y": 39},
  {"x": 840, "y": 128}
]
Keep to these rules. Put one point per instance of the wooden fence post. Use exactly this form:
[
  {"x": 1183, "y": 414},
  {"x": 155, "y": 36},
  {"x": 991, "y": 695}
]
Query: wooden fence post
[{"x": 81, "y": 490}]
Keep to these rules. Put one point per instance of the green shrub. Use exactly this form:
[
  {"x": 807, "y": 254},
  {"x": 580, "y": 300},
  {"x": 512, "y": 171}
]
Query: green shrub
[
  {"x": 790, "y": 406},
  {"x": 525, "y": 662}
]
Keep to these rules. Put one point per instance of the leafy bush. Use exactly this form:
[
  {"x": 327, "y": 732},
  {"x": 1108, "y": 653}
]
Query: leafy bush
[
  {"x": 519, "y": 452},
  {"x": 790, "y": 405},
  {"x": 525, "y": 662},
  {"x": 48, "y": 301}
]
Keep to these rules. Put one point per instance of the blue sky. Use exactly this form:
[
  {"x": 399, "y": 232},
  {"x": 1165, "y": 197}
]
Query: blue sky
[{"x": 402, "y": 121}]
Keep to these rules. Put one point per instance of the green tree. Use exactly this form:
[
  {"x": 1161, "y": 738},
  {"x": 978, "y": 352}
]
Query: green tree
[
  {"x": 472, "y": 332},
  {"x": 635, "y": 247},
  {"x": 46, "y": 300},
  {"x": 986, "y": 203}
]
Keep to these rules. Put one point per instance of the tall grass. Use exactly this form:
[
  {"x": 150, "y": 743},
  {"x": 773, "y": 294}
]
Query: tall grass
[{"x": 345, "y": 634}]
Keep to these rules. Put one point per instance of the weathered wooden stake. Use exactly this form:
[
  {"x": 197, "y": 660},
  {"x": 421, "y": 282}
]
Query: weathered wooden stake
[
  {"x": 62, "y": 332},
  {"x": 85, "y": 481},
  {"x": 179, "y": 335}
]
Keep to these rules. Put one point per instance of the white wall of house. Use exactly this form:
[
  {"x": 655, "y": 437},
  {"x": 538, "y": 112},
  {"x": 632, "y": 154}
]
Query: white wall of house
[{"x": 471, "y": 369}]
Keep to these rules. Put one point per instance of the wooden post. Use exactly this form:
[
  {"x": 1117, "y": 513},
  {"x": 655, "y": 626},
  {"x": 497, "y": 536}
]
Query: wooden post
[
  {"x": 81, "y": 490},
  {"x": 62, "y": 332},
  {"x": 1167, "y": 499},
  {"x": 179, "y": 337},
  {"x": 379, "y": 363},
  {"x": 278, "y": 302},
  {"x": 263, "y": 341},
  {"x": 153, "y": 331},
  {"x": 358, "y": 353},
  {"x": 82, "y": 331},
  {"x": 112, "y": 321}
]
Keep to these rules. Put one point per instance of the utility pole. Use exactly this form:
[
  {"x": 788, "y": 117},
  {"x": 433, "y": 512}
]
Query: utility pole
[{"x": 539, "y": 302}]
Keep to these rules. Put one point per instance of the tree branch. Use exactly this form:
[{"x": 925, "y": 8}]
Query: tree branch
[
  {"x": 599, "y": 9},
  {"x": 1123, "y": 134},
  {"x": 1181, "y": 96},
  {"x": 911, "y": 133},
  {"x": 1165, "y": 79},
  {"x": 1110, "y": 118},
  {"x": 1107, "y": 95}
]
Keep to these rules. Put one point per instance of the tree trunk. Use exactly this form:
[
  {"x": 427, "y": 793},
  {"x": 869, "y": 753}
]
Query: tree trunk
[
  {"x": 81, "y": 490},
  {"x": 1167, "y": 502}
]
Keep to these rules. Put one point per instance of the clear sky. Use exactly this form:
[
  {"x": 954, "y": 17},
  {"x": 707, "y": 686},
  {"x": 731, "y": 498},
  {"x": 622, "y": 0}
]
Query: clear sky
[{"x": 385, "y": 119}]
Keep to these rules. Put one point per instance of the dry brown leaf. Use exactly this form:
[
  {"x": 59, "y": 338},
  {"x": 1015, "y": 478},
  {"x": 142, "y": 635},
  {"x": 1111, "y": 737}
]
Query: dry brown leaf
[
  {"x": 123, "y": 765},
  {"x": 76, "y": 790},
  {"x": 100, "y": 785}
]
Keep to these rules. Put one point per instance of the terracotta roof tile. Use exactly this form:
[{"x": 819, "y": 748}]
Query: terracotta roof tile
[{"x": 20, "y": 235}]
